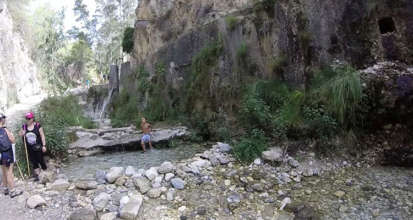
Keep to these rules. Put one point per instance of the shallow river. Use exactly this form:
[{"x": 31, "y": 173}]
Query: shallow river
[{"x": 86, "y": 167}]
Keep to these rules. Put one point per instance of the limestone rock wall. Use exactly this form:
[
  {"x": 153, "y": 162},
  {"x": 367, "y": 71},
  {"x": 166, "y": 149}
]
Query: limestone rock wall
[
  {"x": 17, "y": 71},
  {"x": 282, "y": 39}
]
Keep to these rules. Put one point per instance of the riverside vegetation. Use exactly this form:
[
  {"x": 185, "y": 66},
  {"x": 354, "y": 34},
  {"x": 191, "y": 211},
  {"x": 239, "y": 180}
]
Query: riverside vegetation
[
  {"x": 268, "y": 111},
  {"x": 55, "y": 114}
]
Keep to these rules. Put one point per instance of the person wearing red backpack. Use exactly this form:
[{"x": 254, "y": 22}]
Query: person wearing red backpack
[
  {"x": 7, "y": 158},
  {"x": 36, "y": 143}
]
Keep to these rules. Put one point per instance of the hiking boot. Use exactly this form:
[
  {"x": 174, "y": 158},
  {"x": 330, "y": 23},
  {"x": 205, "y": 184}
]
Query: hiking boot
[
  {"x": 6, "y": 191},
  {"x": 15, "y": 193}
]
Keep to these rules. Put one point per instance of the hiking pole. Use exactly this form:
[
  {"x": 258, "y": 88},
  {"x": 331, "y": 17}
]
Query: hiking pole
[
  {"x": 27, "y": 155},
  {"x": 20, "y": 171}
]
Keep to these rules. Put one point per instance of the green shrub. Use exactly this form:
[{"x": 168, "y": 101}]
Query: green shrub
[
  {"x": 339, "y": 88},
  {"x": 231, "y": 22},
  {"x": 127, "y": 41},
  {"x": 320, "y": 124},
  {"x": 251, "y": 146}
]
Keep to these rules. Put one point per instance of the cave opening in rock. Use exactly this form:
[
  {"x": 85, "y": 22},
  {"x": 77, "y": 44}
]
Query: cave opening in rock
[{"x": 387, "y": 25}]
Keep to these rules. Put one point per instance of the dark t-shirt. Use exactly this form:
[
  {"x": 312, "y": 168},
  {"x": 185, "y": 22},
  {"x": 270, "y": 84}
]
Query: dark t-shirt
[{"x": 33, "y": 136}]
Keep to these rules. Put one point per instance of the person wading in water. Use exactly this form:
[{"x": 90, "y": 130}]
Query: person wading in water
[
  {"x": 146, "y": 138},
  {"x": 36, "y": 143}
]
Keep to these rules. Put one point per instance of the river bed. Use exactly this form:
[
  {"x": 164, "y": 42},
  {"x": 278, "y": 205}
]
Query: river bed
[{"x": 86, "y": 167}]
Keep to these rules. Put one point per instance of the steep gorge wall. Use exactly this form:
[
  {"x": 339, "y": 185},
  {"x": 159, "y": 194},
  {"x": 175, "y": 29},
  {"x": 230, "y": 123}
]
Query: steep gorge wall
[
  {"x": 17, "y": 71},
  {"x": 271, "y": 39}
]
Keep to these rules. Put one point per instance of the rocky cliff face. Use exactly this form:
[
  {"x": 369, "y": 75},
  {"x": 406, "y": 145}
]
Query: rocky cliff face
[
  {"x": 272, "y": 39},
  {"x": 17, "y": 71}
]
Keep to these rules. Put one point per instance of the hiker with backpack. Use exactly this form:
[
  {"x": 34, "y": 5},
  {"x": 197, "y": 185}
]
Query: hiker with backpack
[
  {"x": 34, "y": 138},
  {"x": 7, "y": 158}
]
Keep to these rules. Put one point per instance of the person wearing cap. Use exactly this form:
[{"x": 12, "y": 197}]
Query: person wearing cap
[
  {"x": 36, "y": 143},
  {"x": 7, "y": 158}
]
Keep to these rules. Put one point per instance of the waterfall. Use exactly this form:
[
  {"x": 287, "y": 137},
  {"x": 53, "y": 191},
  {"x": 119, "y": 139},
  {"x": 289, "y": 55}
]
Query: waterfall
[{"x": 106, "y": 102}]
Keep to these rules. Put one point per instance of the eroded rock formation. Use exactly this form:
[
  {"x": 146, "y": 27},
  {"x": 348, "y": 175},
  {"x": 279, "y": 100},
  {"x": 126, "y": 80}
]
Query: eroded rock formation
[{"x": 17, "y": 71}]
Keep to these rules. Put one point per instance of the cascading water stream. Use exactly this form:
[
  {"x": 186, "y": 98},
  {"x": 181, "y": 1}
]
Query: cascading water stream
[{"x": 106, "y": 102}]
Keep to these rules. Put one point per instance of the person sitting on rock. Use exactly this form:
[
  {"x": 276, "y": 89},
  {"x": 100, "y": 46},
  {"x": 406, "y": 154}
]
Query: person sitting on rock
[
  {"x": 146, "y": 138},
  {"x": 7, "y": 158},
  {"x": 36, "y": 143}
]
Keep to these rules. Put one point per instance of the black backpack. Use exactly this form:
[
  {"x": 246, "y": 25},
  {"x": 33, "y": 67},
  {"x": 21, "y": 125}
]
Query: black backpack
[{"x": 5, "y": 143}]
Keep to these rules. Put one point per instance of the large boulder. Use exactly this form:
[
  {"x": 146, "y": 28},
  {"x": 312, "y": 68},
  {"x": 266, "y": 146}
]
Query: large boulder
[
  {"x": 86, "y": 185},
  {"x": 130, "y": 171},
  {"x": 60, "y": 185},
  {"x": 113, "y": 174},
  {"x": 166, "y": 167},
  {"x": 151, "y": 173},
  {"x": 131, "y": 209},
  {"x": 143, "y": 184},
  {"x": 101, "y": 201},
  {"x": 35, "y": 201},
  {"x": 274, "y": 154},
  {"x": 83, "y": 214}
]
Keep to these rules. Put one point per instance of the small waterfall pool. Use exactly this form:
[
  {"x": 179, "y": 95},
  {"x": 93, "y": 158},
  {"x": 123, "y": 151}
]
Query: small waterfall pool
[{"x": 86, "y": 167}]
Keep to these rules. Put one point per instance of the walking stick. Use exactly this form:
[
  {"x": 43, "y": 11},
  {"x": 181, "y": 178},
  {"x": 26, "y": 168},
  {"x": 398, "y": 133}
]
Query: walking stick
[
  {"x": 27, "y": 155},
  {"x": 20, "y": 171}
]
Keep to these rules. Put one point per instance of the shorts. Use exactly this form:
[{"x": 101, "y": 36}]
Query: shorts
[
  {"x": 146, "y": 138},
  {"x": 7, "y": 158}
]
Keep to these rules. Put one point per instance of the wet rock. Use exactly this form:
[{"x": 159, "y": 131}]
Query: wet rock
[
  {"x": 130, "y": 171},
  {"x": 131, "y": 209},
  {"x": 101, "y": 201},
  {"x": 113, "y": 174},
  {"x": 169, "y": 176},
  {"x": 274, "y": 154},
  {"x": 166, "y": 167},
  {"x": 224, "y": 147},
  {"x": 60, "y": 185},
  {"x": 46, "y": 177},
  {"x": 83, "y": 214},
  {"x": 151, "y": 173},
  {"x": 100, "y": 176},
  {"x": 109, "y": 216},
  {"x": 142, "y": 184},
  {"x": 154, "y": 193},
  {"x": 178, "y": 183},
  {"x": 86, "y": 185},
  {"x": 35, "y": 201}
]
